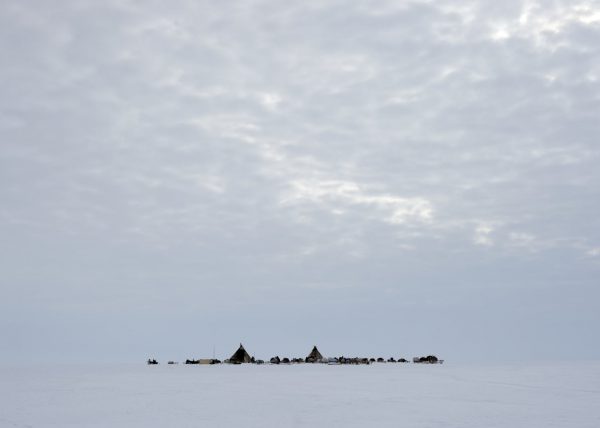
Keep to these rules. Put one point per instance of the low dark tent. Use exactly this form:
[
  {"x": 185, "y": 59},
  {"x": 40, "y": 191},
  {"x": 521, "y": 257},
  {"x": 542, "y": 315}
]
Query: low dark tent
[
  {"x": 431, "y": 359},
  {"x": 240, "y": 356},
  {"x": 314, "y": 356}
]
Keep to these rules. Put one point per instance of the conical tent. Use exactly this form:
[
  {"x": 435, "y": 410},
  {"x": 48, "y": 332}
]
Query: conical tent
[
  {"x": 314, "y": 355},
  {"x": 240, "y": 356}
]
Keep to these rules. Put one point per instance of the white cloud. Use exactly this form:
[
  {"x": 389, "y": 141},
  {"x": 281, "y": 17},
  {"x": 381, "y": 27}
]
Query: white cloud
[
  {"x": 594, "y": 252},
  {"x": 331, "y": 194},
  {"x": 483, "y": 234},
  {"x": 270, "y": 100}
]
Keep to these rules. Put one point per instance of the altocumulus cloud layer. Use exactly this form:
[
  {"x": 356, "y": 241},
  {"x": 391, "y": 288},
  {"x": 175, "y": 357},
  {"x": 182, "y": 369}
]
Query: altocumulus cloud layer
[{"x": 386, "y": 177}]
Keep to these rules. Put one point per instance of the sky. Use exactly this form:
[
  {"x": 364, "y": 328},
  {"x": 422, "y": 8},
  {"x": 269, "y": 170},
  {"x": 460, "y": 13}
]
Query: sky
[{"x": 378, "y": 178}]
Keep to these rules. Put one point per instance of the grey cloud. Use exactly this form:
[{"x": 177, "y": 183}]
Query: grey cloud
[{"x": 245, "y": 164}]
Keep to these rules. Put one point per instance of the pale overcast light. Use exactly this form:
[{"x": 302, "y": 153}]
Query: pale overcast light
[{"x": 378, "y": 178}]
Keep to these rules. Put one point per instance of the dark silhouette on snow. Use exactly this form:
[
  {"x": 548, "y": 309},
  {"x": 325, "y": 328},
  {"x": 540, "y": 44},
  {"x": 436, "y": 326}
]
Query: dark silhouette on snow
[
  {"x": 430, "y": 359},
  {"x": 314, "y": 356},
  {"x": 240, "y": 356}
]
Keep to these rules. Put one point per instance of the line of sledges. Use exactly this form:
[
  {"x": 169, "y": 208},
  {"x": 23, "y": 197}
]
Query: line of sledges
[{"x": 241, "y": 356}]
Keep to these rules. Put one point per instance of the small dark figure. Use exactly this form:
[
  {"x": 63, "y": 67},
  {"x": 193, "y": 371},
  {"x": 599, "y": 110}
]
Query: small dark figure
[{"x": 152, "y": 361}]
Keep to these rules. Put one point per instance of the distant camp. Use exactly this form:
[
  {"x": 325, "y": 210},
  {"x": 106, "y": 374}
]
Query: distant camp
[{"x": 241, "y": 356}]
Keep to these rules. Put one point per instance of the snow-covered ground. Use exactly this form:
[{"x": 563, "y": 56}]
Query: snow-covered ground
[{"x": 380, "y": 395}]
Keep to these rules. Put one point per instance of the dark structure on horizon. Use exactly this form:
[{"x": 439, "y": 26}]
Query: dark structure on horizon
[
  {"x": 240, "y": 356},
  {"x": 430, "y": 359},
  {"x": 314, "y": 356}
]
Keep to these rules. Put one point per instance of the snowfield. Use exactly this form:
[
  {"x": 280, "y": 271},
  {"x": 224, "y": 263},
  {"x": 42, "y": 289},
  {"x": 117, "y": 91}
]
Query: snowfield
[{"x": 379, "y": 395}]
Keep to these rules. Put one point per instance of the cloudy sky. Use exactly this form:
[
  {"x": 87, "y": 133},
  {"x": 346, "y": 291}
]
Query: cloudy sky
[{"x": 389, "y": 178}]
